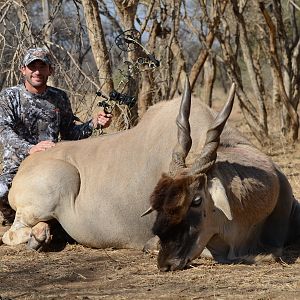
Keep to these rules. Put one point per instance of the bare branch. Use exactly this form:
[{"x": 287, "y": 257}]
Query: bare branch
[{"x": 294, "y": 4}]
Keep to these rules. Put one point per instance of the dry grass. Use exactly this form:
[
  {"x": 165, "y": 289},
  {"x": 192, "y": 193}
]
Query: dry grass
[{"x": 81, "y": 273}]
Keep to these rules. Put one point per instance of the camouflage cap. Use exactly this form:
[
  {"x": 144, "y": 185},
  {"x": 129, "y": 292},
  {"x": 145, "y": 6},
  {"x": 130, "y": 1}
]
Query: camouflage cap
[{"x": 36, "y": 54}]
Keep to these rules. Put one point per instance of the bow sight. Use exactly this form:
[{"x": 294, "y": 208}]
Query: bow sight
[
  {"x": 113, "y": 98},
  {"x": 129, "y": 39}
]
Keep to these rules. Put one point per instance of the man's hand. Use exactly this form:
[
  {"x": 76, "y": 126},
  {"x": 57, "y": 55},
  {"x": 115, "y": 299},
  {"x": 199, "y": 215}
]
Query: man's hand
[
  {"x": 41, "y": 146},
  {"x": 101, "y": 119}
]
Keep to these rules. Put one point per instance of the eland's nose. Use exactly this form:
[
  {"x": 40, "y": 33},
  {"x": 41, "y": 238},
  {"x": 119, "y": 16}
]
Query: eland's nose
[
  {"x": 164, "y": 268},
  {"x": 171, "y": 265}
]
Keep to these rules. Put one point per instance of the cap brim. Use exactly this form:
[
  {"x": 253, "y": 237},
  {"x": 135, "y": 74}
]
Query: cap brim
[{"x": 33, "y": 59}]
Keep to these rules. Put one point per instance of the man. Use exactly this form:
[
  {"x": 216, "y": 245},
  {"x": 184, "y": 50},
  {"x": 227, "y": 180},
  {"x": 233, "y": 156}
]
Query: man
[{"x": 33, "y": 117}]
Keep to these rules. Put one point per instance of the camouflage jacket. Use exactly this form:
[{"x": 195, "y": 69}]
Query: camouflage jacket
[{"x": 26, "y": 119}]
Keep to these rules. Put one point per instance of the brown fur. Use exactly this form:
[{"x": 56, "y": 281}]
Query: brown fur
[{"x": 175, "y": 191}]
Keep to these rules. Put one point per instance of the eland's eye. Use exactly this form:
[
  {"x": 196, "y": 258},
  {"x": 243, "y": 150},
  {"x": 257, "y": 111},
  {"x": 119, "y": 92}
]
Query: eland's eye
[{"x": 196, "y": 201}]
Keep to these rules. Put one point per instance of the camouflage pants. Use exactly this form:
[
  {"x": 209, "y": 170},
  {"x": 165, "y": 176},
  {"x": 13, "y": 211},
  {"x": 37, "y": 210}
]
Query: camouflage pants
[
  {"x": 10, "y": 168},
  {"x": 7, "y": 176},
  {"x": 7, "y": 214}
]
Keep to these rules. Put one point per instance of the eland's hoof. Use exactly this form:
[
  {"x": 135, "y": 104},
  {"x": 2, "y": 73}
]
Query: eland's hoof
[
  {"x": 40, "y": 236},
  {"x": 14, "y": 237}
]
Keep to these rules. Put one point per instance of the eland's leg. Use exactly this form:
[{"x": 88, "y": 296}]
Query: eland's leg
[
  {"x": 24, "y": 226},
  {"x": 27, "y": 228},
  {"x": 39, "y": 190},
  {"x": 19, "y": 232}
]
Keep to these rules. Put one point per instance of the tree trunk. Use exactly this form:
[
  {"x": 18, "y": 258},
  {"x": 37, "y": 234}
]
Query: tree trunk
[
  {"x": 209, "y": 79},
  {"x": 252, "y": 72},
  {"x": 126, "y": 11},
  {"x": 230, "y": 55},
  {"x": 98, "y": 44},
  {"x": 291, "y": 131},
  {"x": 47, "y": 30},
  {"x": 147, "y": 82},
  {"x": 198, "y": 65}
]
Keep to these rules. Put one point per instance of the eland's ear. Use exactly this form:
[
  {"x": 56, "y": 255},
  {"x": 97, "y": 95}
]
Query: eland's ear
[{"x": 219, "y": 197}]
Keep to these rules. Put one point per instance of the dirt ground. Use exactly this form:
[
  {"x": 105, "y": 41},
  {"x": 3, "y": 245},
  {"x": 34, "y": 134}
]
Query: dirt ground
[{"x": 77, "y": 272}]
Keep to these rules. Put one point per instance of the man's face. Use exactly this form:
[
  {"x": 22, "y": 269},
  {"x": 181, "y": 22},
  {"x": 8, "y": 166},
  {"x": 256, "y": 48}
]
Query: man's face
[{"x": 36, "y": 73}]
